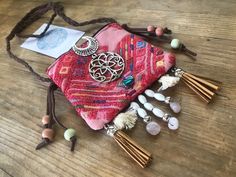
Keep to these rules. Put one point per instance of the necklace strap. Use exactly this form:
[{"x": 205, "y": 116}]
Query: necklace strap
[{"x": 35, "y": 14}]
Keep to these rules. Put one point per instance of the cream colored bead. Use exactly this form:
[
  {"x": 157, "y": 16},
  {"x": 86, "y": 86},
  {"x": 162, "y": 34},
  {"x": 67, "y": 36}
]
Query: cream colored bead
[
  {"x": 157, "y": 112},
  {"x": 142, "y": 99},
  {"x": 148, "y": 106},
  {"x": 69, "y": 133},
  {"x": 175, "y": 43},
  {"x": 141, "y": 112},
  {"x": 149, "y": 93}
]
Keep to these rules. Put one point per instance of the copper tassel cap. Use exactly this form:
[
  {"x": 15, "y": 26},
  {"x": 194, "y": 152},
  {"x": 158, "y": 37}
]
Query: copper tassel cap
[
  {"x": 135, "y": 151},
  {"x": 201, "y": 86}
]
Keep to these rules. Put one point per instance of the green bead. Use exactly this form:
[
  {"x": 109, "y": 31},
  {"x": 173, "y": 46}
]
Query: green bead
[
  {"x": 128, "y": 81},
  {"x": 70, "y": 132},
  {"x": 175, "y": 43}
]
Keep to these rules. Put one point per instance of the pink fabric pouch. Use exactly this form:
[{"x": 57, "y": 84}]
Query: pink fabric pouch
[{"x": 96, "y": 102}]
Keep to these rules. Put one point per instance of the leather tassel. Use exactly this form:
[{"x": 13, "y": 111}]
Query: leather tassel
[
  {"x": 201, "y": 86},
  {"x": 135, "y": 151}
]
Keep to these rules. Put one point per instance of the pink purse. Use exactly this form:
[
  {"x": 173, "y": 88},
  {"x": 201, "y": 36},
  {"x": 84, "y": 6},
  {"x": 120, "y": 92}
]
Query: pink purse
[
  {"x": 100, "y": 82},
  {"x": 99, "y": 102}
]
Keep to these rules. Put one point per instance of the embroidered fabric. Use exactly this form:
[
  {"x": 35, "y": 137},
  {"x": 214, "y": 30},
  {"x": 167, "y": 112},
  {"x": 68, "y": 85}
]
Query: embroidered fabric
[{"x": 99, "y": 102}]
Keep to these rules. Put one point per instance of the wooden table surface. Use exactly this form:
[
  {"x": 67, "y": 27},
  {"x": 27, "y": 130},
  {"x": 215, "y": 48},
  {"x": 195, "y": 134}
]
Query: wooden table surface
[{"x": 205, "y": 144}]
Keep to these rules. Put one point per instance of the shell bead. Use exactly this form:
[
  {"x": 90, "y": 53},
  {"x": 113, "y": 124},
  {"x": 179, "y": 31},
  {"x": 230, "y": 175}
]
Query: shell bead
[
  {"x": 142, "y": 113},
  {"x": 134, "y": 105},
  {"x": 69, "y": 133},
  {"x": 149, "y": 93},
  {"x": 159, "y": 97},
  {"x": 148, "y": 106},
  {"x": 157, "y": 112},
  {"x": 142, "y": 99}
]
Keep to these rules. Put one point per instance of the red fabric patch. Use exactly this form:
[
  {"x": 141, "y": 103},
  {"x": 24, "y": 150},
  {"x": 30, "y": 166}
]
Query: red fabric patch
[{"x": 98, "y": 103}]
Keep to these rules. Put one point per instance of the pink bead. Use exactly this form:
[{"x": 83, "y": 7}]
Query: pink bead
[
  {"x": 159, "y": 31},
  {"x": 176, "y": 108},
  {"x": 153, "y": 128},
  {"x": 48, "y": 133},
  {"x": 45, "y": 119},
  {"x": 150, "y": 28}
]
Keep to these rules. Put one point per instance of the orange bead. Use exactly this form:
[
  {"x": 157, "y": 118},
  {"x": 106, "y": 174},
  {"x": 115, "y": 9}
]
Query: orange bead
[
  {"x": 48, "y": 133},
  {"x": 45, "y": 119}
]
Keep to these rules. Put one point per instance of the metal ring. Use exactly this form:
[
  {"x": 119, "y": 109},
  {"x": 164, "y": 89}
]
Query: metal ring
[{"x": 91, "y": 48}]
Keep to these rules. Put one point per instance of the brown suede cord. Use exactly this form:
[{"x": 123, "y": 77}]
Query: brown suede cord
[{"x": 36, "y": 14}]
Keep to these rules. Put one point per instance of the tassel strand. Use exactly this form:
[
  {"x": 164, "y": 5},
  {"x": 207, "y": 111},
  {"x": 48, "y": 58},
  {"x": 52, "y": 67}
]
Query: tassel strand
[
  {"x": 135, "y": 151},
  {"x": 201, "y": 86}
]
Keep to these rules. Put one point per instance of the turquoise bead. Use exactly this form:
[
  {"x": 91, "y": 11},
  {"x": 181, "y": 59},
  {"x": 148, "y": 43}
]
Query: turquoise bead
[
  {"x": 175, "y": 43},
  {"x": 128, "y": 81},
  {"x": 69, "y": 133}
]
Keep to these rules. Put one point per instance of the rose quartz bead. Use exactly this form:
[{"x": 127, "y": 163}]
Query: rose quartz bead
[
  {"x": 48, "y": 133},
  {"x": 153, "y": 128},
  {"x": 45, "y": 119},
  {"x": 150, "y": 28},
  {"x": 173, "y": 123},
  {"x": 176, "y": 108},
  {"x": 159, "y": 31}
]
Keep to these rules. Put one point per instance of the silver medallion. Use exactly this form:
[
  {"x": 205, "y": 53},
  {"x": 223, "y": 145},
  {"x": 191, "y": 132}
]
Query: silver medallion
[
  {"x": 91, "y": 48},
  {"x": 106, "y": 67}
]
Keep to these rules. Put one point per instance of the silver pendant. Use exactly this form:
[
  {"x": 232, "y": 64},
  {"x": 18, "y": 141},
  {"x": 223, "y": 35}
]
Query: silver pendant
[
  {"x": 106, "y": 67},
  {"x": 91, "y": 48}
]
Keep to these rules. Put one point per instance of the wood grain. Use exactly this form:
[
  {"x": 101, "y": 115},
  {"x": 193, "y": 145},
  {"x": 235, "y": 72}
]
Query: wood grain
[{"x": 204, "y": 146}]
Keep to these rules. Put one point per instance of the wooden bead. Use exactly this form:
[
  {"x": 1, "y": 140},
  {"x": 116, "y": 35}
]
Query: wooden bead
[
  {"x": 45, "y": 119},
  {"x": 150, "y": 28},
  {"x": 159, "y": 31},
  {"x": 48, "y": 133}
]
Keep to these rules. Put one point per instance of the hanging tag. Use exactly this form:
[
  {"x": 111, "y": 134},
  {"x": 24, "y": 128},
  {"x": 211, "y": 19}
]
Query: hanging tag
[{"x": 56, "y": 41}]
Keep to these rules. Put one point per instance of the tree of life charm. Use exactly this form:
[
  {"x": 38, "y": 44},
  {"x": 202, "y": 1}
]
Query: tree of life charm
[{"x": 106, "y": 67}]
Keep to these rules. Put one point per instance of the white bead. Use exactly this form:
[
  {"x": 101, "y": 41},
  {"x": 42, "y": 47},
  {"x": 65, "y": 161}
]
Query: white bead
[
  {"x": 173, "y": 123},
  {"x": 148, "y": 106},
  {"x": 175, "y": 43},
  {"x": 159, "y": 97},
  {"x": 142, "y": 99},
  {"x": 69, "y": 133},
  {"x": 149, "y": 93},
  {"x": 157, "y": 112},
  {"x": 134, "y": 105},
  {"x": 141, "y": 112}
]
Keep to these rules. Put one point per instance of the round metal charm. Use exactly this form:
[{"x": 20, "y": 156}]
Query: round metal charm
[
  {"x": 106, "y": 67},
  {"x": 91, "y": 48}
]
